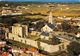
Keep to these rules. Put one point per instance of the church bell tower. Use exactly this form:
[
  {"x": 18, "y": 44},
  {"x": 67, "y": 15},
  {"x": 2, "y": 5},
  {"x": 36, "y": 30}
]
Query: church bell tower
[{"x": 50, "y": 20}]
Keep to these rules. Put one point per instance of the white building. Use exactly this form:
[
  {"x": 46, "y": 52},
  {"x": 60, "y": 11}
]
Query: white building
[
  {"x": 78, "y": 35},
  {"x": 50, "y": 25},
  {"x": 48, "y": 28}
]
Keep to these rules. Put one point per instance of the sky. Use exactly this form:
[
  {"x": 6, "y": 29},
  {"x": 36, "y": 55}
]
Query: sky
[{"x": 44, "y": 0}]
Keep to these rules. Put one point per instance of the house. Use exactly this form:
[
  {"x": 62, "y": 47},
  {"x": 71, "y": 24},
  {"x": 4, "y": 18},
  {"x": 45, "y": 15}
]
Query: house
[{"x": 78, "y": 35}]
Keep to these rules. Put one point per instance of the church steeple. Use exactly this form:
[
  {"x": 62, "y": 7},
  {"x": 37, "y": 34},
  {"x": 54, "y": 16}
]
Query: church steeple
[{"x": 50, "y": 18}]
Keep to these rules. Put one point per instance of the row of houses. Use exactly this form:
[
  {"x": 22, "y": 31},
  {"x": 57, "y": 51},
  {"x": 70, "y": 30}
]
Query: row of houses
[{"x": 8, "y": 11}]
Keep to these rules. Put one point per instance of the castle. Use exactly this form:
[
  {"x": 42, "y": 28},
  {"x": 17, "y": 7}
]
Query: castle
[{"x": 45, "y": 40}]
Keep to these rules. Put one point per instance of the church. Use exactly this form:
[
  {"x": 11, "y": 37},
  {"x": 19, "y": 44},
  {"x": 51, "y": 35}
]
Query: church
[{"x": 50, "y": 26}]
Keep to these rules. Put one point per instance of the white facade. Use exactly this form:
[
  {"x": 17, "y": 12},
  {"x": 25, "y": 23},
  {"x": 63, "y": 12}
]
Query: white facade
[
  {"x": 4, "y": 12},
  {"x": 46, "y": 28},
  {"x": 78, "y": 35}
]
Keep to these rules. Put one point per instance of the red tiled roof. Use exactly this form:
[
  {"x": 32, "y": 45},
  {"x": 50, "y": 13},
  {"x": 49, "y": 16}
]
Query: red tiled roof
[
  {"x": 42, "y": 55},
  {"x": 24, "y": 49},
  {"x": 5, "y": 54},
  {"x": 32, "y": 49}
]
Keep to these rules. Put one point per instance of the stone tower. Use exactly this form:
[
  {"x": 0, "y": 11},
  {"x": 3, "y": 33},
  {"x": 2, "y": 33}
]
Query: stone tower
[{"x": 50, "y": 18}]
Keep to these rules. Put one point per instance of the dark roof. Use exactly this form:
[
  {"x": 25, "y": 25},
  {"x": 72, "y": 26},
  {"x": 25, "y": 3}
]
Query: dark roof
[
  {"x": 51, "y": 25},
  {"x": 45, "y": 34}
]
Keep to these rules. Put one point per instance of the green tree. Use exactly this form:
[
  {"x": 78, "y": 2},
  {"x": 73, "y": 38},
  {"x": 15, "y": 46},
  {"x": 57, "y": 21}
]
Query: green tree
[
  {"x": 74, "y": 49},
  {"x": 66, "y": 26}
]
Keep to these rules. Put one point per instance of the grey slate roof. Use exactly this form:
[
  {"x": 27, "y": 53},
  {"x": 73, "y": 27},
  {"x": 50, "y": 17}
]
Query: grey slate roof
[
  {"x": 51, "y": 25},
  {"x": 45, "y": 34}
]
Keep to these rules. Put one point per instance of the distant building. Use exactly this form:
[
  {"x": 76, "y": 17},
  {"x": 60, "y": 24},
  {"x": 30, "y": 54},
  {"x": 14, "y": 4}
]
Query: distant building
[
  {"x": 9, "y": 11},
  {"x": 78, "y": 35}
]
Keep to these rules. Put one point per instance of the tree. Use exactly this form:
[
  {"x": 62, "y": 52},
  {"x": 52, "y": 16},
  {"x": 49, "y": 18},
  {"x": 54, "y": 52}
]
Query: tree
[
  {"x": 66, "y": 26},
  {"x": 73, "y": 48}
]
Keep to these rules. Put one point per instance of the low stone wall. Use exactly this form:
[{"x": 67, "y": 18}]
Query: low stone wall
[{"x": 41, "y": 45}]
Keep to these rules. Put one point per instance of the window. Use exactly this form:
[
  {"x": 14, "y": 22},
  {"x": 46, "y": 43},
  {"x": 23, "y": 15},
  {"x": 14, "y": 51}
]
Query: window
[
  {"x": 25, "y": 41},
  {"x": 13, "y": 38},
  {"x": 7, "y": 35},
  {"x": 60, "y": 48},
  {"x": 21, "y": 40},
  {"x": 29, "y": 54}
]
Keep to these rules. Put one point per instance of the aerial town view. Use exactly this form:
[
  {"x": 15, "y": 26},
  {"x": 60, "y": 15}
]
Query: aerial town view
[{"x": 39, "y": 27}]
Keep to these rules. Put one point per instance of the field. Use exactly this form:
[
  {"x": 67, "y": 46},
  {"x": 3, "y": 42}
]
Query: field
[{"x": 57, "y": 9}]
